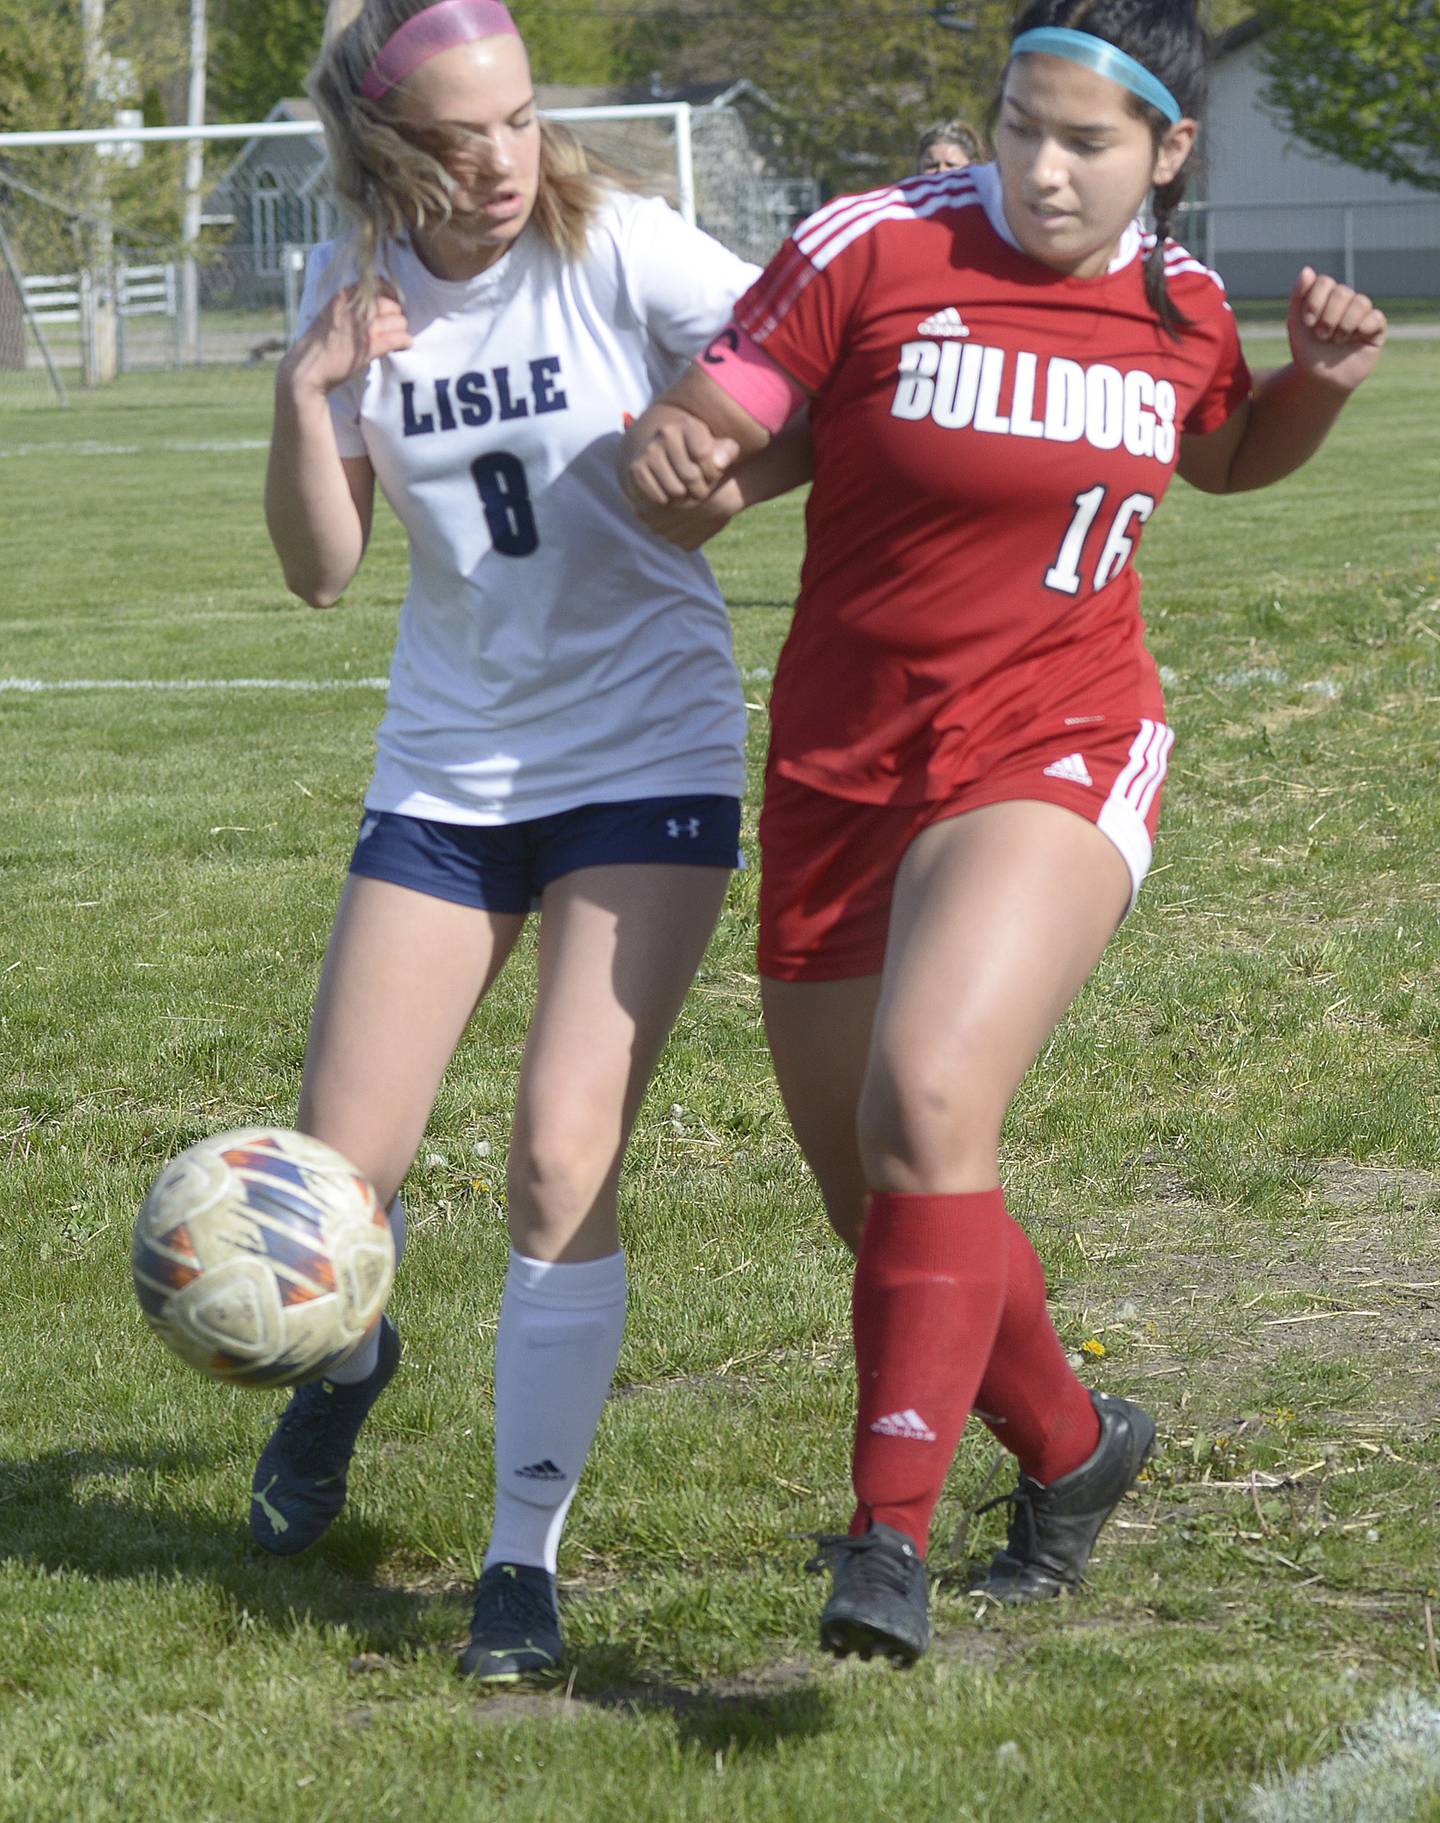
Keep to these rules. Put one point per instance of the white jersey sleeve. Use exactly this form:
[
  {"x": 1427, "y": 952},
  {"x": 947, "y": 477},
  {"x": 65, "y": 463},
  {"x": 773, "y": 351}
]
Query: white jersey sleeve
[
  {"x": 326, "y": 271},
  {"x": 680, "y": 282}
]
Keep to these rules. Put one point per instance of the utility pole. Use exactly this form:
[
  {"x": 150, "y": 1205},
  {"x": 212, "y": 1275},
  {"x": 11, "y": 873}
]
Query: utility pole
[
  {"x": 194, "y": 183},
  {"x": 97, "y": 281}
]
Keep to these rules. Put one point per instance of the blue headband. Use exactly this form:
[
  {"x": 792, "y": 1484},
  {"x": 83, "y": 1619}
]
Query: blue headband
[{"x": 1105, "y": 59}]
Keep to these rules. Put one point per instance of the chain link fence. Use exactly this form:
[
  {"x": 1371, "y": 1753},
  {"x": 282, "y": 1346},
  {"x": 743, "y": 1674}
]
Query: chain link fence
[
  {"x": 97, "y": 283},
  {"x": 102, "y": 286},
  {"x": 1389, "y": 249}
]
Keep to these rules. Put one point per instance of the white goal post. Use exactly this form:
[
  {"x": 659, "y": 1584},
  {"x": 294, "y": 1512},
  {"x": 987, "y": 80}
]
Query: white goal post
[
  {"x": 677, "y": 112},
  {"x": 94, "y": 208}
]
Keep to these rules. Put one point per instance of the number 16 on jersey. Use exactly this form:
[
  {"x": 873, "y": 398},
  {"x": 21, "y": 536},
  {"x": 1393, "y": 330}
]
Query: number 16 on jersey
[{"x": 1134, "y": 510}]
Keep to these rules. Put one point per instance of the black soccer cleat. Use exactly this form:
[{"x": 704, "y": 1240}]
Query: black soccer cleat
[
  {"x": 1053, "y": 1528},
  {"x": 515, "y": 1629},
  {"x": 881, "y": 1599},
  {"x": 299, "y": 1484}
]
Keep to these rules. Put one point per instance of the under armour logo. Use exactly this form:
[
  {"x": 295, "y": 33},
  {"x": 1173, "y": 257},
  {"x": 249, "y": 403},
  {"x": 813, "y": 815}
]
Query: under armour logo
[{"x": 675, "y": 828}]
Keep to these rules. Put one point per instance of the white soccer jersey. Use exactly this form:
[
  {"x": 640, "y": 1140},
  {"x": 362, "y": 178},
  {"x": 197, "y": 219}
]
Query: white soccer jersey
[{"x": 552, "y": 652}]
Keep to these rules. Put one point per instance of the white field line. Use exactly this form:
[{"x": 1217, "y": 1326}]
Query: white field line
[
  {"x": 42, "y": 686},
  {"x": 174, "y": 446},
  {"x": 34, "y": 686},
  {"x": 1253, "y": 677},
  {"x": 1388, "y": 1771}
]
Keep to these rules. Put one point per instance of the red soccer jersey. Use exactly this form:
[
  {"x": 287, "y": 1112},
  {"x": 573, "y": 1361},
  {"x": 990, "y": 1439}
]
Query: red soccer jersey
[{"x": 990, "y": 438}]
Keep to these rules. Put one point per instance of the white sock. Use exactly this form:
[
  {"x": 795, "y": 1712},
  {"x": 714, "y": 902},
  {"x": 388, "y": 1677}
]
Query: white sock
[
  {"x": 555, "y": 1355},
  {"x": 362, "y": 1363}
]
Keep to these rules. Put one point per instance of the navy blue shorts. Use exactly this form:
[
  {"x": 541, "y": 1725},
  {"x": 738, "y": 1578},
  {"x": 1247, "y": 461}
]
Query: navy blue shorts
[{"x": 506, "y": 868}]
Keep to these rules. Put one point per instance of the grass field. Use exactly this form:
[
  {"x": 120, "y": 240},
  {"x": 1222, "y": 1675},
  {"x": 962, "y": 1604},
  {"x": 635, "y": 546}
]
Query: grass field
[
  {"x": 1399, "y": 310},
  {"x": 1229, "y": 1158}
]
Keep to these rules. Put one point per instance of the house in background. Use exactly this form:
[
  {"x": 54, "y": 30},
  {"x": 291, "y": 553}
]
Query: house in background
[
  {"x": 273, "y": 194},
  {"x": 1272, "y": 205},
  {"x": 744, "y": 196}
]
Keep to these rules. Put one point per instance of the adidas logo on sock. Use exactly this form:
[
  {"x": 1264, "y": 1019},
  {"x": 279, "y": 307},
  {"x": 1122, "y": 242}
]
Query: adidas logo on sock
[
  {"x": 541, "y": 1471},
  {"x": 944, "y": 322},
  {"x": 905, "y": 1424},
  {"x": 1071, "y": 767}
]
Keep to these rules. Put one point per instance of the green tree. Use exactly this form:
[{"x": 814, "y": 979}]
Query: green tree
[
  {"x": 1220, "y": 15},
  {"x": 52, "y": 190},
  {"x": 569, "y": 43},
  {"x": 263, "y": 49},
  {"x": 260, "y": 52},
  {"x": 854, "y": 81},
  {"x": 1359, "y": 80},
  {"x": 40, "y": 75}
]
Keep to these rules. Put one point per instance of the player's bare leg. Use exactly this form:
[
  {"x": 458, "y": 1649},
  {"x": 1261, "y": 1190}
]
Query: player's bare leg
[
  {"x": 998, "y": 920},
  {"x": 619, "y": 947},
  {"x": 999, "y": 917},
  {"x": 819, "y": 1036},
  {"x": 402, "y": 975},
  {"x": 901, "y": 1082}
]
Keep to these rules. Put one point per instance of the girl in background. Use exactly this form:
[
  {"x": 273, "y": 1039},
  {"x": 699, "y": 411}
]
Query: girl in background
[{"x": 950, "y": 146}]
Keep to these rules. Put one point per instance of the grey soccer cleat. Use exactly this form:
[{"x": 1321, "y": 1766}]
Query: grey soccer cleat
[
  {"x": 880, "y": 1602},
  {"x": 1054, "y": 1527},
  {"x": 299, "y": 1484}
]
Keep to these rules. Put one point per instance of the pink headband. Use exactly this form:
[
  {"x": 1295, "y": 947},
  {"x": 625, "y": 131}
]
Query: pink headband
[{"x": 438, "y": 28}]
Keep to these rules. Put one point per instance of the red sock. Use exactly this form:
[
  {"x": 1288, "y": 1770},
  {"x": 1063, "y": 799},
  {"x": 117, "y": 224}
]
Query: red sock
[
  {"x": 1030, "y": 1396},
  {"x": 929, "y": 1288}
]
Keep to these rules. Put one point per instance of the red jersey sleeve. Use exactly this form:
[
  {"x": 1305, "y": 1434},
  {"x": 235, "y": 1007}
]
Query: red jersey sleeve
[
  {"x": 800, "y": 307},
  {"x": 1201, "y": 295}
]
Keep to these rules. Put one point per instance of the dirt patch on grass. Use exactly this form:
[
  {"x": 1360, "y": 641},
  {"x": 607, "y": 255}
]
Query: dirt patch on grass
[
  {"x": 785, "y": 1697},
  {"x": 1352, "y": 1186},
  {"x": 1349, "y": 1291}
]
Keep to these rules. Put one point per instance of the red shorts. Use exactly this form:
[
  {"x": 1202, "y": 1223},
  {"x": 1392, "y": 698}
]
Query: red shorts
[{"x": 829, "y": 863}]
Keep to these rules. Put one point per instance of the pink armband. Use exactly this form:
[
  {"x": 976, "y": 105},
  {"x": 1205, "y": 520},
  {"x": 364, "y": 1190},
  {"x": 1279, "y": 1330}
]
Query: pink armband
[{"x": 740, "y": 367}]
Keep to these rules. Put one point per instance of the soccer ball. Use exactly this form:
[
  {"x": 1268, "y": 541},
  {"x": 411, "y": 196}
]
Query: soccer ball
[{"x": 262, "y": 1257}]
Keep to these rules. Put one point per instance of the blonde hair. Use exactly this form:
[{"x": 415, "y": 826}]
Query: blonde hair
[
  {"x": 386, "y": 184},
  {"x": 952, "y": 133}
]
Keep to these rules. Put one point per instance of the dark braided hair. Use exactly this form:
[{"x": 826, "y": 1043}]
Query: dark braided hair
[{"x": 1167, "y": 37}]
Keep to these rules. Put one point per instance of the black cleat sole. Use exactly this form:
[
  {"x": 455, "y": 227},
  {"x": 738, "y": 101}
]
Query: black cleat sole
[{"x": 853, "y": 1639}]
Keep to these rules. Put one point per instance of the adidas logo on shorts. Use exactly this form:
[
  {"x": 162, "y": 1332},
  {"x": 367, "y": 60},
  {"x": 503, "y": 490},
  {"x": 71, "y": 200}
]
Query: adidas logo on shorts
[
  {"x": 1072, "y": 767},
  {"x": 944, "y": 322},
  {"x": 908, "y": 1423}
]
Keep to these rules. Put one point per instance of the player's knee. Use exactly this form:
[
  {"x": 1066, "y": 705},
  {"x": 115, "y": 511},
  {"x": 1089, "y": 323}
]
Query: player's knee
[
  {"x": 926, "y": 1118},
  {"x": 556, "y": 1176}
]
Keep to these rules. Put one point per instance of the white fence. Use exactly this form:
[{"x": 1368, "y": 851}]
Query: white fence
[
  {"x": 140, "y": 291},
  {"x": 56, "y": 299},
  {"x": 1390, "y": 249}
]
